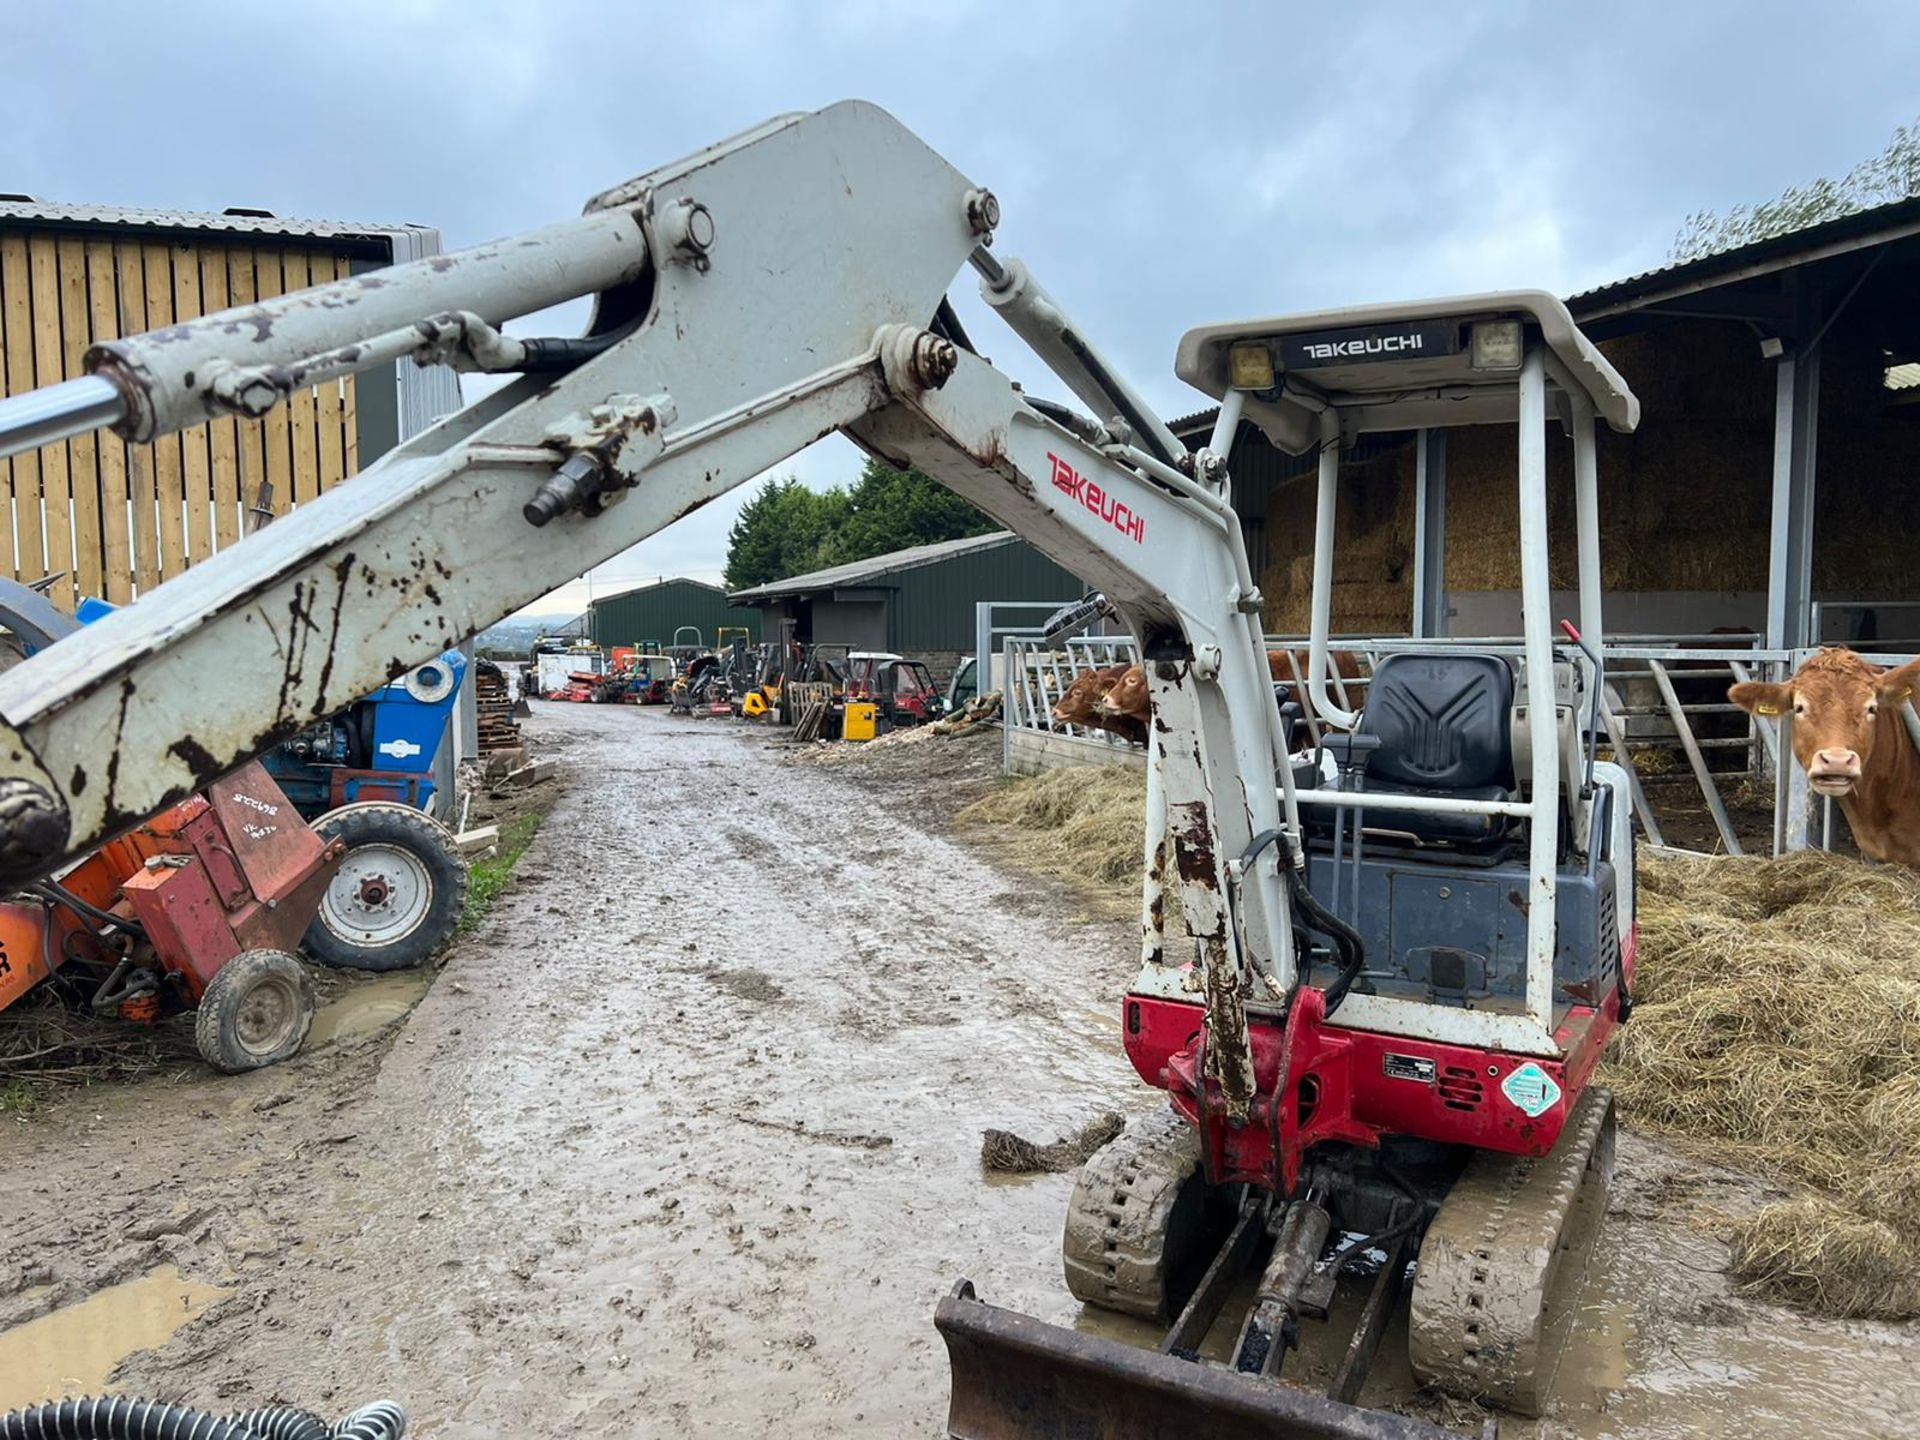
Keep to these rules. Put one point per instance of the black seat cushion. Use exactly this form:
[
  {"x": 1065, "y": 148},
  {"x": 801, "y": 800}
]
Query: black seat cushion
[{"x": 1442, "y": 723}]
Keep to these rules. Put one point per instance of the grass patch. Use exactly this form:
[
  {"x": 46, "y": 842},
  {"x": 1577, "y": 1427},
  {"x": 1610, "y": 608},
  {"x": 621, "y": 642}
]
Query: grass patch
[
  {"x": 18, "y": 1100},
  {"x": 1777, "y": 1020},
  {"x": 490, "y": 876}
]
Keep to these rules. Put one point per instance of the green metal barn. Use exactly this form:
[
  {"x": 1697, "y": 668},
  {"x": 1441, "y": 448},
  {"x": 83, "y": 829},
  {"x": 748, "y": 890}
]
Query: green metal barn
[
  {"x": 919, "y": 602},
  {"x": 654, "y": 614}
]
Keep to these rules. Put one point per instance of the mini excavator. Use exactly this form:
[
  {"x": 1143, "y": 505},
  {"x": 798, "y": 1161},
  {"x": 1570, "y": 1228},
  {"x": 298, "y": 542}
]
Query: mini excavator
[{"x": 1374, "y": 1001}]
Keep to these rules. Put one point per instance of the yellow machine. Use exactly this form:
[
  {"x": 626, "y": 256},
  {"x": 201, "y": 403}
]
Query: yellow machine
[{"x": 861, "y": 721}]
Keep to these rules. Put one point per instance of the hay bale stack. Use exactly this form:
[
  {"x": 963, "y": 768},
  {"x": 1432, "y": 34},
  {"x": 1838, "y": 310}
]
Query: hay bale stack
[{"x": 1778, "y": 1021}]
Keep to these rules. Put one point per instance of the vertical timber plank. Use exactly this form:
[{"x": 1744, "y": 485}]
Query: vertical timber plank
[
  {"x": 302, "y": 405},
  {"x": 103, "y": 323},
  {"x": 24, "y": 546},
  {"x": 349, "y": 414},
  {"x": 30, "y": 545},
  {"x": 83, "y": 451},
  {"x": 331, "y": 439},
  {"x": 168, "y": 450},
  {"x": 48, "y": 368},
  {"x": 222, "y": 435},
  {"x": 196, "y": 444},
  {"x": 131, "y": 295},
  {"x": 242, "y": 289},
  {"x": 279, "y": 432}
]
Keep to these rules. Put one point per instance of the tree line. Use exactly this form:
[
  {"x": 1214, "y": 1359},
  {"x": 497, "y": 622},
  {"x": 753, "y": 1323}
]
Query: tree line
[{"x": 787, "y": 529}]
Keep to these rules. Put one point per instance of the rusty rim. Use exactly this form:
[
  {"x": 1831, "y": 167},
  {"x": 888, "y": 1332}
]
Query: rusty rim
[{"x": 267, "y": 1015}]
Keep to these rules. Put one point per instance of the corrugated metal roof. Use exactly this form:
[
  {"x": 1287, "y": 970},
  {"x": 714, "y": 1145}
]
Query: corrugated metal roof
[
  {"x": 861, "y": 571},
  {"x": 200, "y": 221},
  {"x": 1775, "y": 252},
  {"x": 1894, "y": 220},
  {"x": 663, "y": 581}
]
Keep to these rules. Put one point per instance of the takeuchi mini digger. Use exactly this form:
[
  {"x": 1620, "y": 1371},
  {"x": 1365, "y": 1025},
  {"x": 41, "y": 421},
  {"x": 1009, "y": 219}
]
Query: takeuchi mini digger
[{"x": 1374, "y": 1002}]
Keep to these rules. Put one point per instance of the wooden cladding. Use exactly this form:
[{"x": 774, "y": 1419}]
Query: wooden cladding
[{"x": 114, "y": 519}]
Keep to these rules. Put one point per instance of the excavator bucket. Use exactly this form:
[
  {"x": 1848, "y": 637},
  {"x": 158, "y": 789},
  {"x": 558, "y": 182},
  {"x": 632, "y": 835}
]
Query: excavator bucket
[{"x": 1017, "y": 1378}]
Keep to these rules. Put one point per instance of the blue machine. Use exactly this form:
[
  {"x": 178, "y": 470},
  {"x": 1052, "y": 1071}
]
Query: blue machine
[{"x": 381, "y": 747}]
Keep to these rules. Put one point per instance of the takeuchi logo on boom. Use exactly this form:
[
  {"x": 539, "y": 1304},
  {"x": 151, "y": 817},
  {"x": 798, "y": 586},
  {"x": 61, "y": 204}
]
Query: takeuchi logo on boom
[{"x": 1088, "y": 492}]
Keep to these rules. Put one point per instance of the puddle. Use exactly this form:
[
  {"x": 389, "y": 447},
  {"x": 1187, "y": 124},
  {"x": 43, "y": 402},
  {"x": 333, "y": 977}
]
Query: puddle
[
  {"x": 367, "y": 1005},
  {"x": 72, "y": 1350}
]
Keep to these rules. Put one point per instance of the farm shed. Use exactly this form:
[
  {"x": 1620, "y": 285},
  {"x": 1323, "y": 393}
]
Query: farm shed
[
  {"x": 919, "y": 601},
  {"x": 1765, "y": 489},
  {"x": 113, "y": 519},
  {"x": 653, "y": 615}
]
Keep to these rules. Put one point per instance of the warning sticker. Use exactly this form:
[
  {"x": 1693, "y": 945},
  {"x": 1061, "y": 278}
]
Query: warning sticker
[{"x": 1532, "y": 1089}]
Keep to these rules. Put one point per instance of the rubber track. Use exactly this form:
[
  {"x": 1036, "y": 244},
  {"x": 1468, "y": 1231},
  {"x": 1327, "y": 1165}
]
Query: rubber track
[
  {"x": 1115, "y": 1246},
  {"x": 1503, "y": 1259}
]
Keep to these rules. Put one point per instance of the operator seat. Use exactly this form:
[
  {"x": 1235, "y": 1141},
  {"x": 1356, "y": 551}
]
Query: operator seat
[{"x": 1433, "y": 725}]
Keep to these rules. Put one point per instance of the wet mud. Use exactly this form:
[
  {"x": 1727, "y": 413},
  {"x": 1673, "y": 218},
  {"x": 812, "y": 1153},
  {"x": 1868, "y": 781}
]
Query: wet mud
[{"x": 686, "y": 1140}]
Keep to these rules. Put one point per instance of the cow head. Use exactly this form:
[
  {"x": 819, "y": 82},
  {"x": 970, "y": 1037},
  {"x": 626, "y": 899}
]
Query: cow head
[
  {"x": 1837, "y": 701},
  {"x": 1128, "y": 696},
  {"x": 1079, "y": 702}
]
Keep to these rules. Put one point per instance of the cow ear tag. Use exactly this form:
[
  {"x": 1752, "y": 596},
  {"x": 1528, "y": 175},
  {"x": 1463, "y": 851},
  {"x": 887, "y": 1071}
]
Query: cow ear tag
[{"x": 1766, "y": 709}]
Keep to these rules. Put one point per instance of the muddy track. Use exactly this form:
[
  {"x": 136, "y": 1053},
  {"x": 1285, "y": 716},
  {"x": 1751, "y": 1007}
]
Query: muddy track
[{"x": 685, "y": 1141}]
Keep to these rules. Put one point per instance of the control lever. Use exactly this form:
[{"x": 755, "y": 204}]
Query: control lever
[{"x": 1592, "y": 652}]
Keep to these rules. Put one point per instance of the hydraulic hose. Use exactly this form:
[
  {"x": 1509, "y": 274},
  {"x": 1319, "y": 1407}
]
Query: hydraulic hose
[
  {"x": 119, "y": 1417},
  {"x": 1347, "y": 943}
]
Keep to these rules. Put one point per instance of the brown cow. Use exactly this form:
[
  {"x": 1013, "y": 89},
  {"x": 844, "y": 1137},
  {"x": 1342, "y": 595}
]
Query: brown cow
[
  {"x": 1849, "y": 737},
  {"x": 1080, "y": 704},
  {"x": 1129, "y": 698},
  {"x": 1343, "y": 663}
]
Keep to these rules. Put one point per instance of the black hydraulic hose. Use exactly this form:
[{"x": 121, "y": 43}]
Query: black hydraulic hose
[
  {"x": 946, "y": 324},
  {"x": 60, "y": 895},
  {"x": 1346, "y": 940},
  {"x": 552, "y": 355},
  {"x": 1084, "y": 426},
  {"x": 120, "y": 1417}
]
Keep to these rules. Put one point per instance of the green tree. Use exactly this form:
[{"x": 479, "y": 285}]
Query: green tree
[
  {"x": 1893, "y": 174},
  {"x": 783, "y": 530},
  {"x": 890, "y": 509},
  {"x": 787, "y": 529}
]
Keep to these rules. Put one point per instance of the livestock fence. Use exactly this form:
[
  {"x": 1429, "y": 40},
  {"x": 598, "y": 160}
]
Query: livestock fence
[{"x": 1703, "y": 773}]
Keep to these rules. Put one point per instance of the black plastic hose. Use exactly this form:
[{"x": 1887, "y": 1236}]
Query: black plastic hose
[
  {"x": 118, "y": 1417},
  {"x": 1347, "y": 944},
  {"x": 281, "y": 1422},
  {"x": 382, "y": 1420}
]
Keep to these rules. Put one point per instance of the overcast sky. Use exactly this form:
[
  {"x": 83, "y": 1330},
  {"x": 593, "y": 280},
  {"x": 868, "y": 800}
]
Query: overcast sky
[{"x": 1157, "y": 165}]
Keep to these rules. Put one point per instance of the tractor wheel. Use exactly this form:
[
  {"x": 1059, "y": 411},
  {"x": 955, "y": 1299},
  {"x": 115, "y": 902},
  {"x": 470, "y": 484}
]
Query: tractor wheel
[
  {"x": 255, "y": 1012},
  {"x": 397, "y": 895}
]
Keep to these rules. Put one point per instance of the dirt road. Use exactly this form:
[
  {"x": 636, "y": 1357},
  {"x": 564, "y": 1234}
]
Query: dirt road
[{"x": 685, "y": 1142}]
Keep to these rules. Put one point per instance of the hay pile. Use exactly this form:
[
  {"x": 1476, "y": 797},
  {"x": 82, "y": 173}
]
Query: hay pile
[
  {"x": 1778, "y": 1020},
  {"x": 1004, "y": 1151},
  {"x": 1086, "y": 822}
]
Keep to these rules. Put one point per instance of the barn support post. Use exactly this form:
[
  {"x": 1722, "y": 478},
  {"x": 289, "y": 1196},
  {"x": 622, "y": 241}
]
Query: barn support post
[
  {"x": 1790, "y": 555},
  {"x": 1430, "y": 535}
]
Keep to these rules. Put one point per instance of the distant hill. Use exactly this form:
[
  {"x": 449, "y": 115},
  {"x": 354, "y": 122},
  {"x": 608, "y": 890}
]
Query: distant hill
[{"x": 517, "y": 634}]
